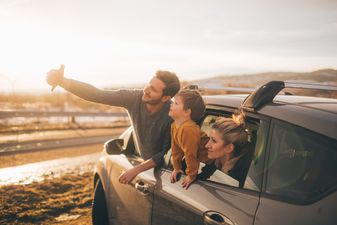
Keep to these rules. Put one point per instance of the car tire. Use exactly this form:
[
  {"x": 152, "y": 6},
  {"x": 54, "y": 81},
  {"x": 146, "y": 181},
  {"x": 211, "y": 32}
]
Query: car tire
[{"x": 99, "y": 208}]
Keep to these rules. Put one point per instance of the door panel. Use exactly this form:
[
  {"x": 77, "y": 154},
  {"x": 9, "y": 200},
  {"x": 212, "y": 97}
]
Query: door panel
[
  {"x": 277, "y": 212},
  {"x": 174, "y": 205},
  {"x": 129, "y": 204}
]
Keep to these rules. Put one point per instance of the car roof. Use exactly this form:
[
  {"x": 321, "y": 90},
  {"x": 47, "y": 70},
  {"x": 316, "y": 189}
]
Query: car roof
[{"x": 314, "y": 113}]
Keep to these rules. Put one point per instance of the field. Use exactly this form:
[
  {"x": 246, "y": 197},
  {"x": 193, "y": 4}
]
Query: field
[{"x": 64, "y": 199}]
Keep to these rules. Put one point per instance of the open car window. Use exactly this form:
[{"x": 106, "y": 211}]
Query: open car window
[
  {"x": 249, "y": 168},
  {"x": 239, "y": 173},
  {"x": 218, "y": 176}
]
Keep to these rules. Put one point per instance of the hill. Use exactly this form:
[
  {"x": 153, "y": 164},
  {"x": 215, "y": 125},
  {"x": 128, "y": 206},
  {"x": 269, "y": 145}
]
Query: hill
[{"x": 324, "y": 76}]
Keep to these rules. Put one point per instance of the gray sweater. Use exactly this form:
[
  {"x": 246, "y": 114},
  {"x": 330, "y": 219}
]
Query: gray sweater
[{"x": 152, "y": 131}]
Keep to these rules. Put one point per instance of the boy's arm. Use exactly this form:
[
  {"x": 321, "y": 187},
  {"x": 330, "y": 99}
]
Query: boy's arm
[
  {"x": 177, "y": 154},
  {"x": 190, "y": 140}
]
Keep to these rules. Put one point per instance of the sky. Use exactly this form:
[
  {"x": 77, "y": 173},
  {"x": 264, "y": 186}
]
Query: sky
[{"x": 110, "y": 42}]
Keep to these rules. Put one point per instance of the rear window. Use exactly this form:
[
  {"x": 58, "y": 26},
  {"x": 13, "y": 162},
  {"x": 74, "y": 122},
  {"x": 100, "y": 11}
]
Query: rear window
[{"x": 302, "y": 165}]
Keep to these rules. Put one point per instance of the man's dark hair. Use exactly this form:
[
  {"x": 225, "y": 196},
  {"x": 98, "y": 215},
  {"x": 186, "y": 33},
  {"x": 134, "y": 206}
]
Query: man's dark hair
[
  {"x": 171, "y": 81},
  {"x": 192, "y": 100}
]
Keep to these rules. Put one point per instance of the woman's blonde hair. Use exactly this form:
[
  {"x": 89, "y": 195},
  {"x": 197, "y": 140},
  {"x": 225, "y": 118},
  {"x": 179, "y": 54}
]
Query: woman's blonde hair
[{"x": 233, "y": 130}]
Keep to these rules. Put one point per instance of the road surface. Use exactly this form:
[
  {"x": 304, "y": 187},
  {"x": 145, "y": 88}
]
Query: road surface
[{"x": 38, "y": 159}]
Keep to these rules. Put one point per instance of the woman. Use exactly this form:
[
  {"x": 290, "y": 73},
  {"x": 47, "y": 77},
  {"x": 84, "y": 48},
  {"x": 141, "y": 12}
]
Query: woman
[{"x": 227, "y": 147}]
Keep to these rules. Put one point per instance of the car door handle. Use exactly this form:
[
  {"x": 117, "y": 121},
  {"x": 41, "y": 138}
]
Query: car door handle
[
  {"x": 215, "y": 218},
  {"x": 142, "y": 187}
]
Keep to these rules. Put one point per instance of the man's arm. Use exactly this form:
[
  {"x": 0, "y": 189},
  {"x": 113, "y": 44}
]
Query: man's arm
[
  {"x": 130, "y": 174},
  {"x": 122, "y": 98}
]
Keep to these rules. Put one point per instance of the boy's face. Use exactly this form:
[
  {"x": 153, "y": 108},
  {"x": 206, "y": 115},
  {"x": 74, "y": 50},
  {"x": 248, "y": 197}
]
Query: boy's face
[{"x": 177, "y": 110}]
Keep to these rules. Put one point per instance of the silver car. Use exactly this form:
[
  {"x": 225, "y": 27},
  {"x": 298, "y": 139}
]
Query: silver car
[{"x": 290, "y": 177}]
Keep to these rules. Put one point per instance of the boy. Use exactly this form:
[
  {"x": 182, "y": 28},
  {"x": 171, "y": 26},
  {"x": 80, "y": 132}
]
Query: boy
[{"x": 187, "y": 138}]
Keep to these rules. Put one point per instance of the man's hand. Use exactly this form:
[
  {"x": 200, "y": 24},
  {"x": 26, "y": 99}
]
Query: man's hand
[
  {"x": 55, "y": 77},
  {"x": 128, "y": 175},
  {"x": 176, "y": 175},
  {"x": 187, "y": 181}
]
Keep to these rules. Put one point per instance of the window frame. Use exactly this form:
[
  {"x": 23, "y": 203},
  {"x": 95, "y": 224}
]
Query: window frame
[
  {"x": 221, "y": 111},
  {"x": 129, "y": 138}
]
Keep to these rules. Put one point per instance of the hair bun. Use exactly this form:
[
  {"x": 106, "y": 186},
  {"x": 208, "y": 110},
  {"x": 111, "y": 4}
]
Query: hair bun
[{"x": 238, "y": 118}]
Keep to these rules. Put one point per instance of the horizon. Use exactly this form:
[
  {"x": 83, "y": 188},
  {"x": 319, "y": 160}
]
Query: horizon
[{"x": 47, "y": 89}]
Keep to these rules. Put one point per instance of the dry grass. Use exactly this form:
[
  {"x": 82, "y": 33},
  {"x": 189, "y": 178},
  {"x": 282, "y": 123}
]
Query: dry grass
[
  {"x": 61, "y": 200},
  {"x": 48, "y": 202}
]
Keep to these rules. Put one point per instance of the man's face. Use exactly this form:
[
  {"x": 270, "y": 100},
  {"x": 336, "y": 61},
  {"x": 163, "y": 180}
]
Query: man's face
[{"x": 153, "y": 92}]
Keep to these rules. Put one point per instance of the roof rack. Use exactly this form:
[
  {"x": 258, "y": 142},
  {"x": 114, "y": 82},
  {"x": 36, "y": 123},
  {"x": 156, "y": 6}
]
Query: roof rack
[{"x": 267, "y": 92}]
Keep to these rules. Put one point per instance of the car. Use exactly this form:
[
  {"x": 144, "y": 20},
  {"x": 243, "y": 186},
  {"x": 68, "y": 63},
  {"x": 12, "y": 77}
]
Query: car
[{"x": 291, "y": 173}]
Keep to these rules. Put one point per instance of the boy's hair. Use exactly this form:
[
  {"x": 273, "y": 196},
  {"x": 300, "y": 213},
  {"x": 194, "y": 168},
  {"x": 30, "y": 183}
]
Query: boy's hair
[
  {"x": 192, "y": 100},
  {"x": 232, "y": 131},
  {"x": 171, "y": 81}
]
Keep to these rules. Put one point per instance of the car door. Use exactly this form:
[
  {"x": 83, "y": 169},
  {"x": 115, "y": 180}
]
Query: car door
[
  {"x": 129, "y": 204},
  {"x": 214, "y": 201}
]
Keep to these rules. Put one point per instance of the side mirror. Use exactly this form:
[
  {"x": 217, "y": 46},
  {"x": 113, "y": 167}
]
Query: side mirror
[{"x": 114, "y": 146}]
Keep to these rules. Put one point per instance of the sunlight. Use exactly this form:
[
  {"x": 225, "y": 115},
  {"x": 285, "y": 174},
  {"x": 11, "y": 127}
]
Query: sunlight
[
  {"x": 39, "y": 171},
  {"x": 29, "y": 51}
]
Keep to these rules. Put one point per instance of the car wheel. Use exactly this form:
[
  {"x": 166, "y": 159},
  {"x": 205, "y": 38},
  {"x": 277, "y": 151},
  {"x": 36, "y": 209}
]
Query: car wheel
[{"x": 99, "y": 208}]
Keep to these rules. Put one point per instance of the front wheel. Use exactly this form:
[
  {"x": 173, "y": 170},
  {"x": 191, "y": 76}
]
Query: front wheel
[{"x": 99, "y": 208}]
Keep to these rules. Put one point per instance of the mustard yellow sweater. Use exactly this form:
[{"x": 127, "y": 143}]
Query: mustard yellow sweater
[{"x": 189, "y": 141}]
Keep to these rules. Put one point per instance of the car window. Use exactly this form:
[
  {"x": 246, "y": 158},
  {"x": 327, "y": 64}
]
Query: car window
[
  {"x": 242, "y": 166},
  {"x": 219, "y": 176},
  {"x": 210, "y": 173},
  {"x": 302, "y": 165}
]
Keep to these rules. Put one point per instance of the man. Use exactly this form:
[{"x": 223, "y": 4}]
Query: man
[{"x": 147, "y": 108}]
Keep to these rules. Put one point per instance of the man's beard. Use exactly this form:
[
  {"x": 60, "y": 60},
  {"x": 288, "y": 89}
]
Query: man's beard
[{"x": 153, "y": 102}]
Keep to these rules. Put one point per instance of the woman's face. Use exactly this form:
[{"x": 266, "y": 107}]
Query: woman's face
[{"x": 216, "y": 146}]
